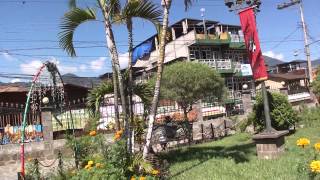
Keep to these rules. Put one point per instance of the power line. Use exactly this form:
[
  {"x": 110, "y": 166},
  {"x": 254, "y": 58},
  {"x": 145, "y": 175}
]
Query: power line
[{"x": 285, "y": 38}]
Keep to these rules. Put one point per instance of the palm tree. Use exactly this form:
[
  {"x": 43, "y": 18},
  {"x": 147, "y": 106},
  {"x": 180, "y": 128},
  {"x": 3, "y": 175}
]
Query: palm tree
[
  {"x": 77, "y": 16},
  {"x": 166, "y": 5},
  {"x": 146, "y": 10}
]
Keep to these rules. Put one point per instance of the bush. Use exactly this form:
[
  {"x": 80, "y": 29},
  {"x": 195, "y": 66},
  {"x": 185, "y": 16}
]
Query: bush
[
  {"x": 310, "y": 116},
  {"x": 281, "y": 112}
]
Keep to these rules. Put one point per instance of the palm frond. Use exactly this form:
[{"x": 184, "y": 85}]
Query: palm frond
[
  {"x": 142, "y": 9},
  {"x": 70, "y": 22},
  {"x": 114, "y": 7},
  {"x": 187, "y": 4},
  {"x": 96, "y": 95},
  {"x": 72, "y": 4},
  {"x": 137, "y": 162},
  {"x": 144, "y": 91}
]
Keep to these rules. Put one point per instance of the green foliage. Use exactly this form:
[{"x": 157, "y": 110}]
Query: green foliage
[
  {"x": 142, "y": 9},
  {"x": 281, "y": 112},
  {"x": 310, "y": 117},
  {"x": 188, "y": 82},
  {"x": 96, "y": 95},
  {"x": 316, "y": 84},
  {"x": 138, "y": 127},
  {"x": 71, "y": 21},
  {"x": 32, "y": 170},
  {"x": 237, "y": 159},
  {"x": 86, "y": 146}
]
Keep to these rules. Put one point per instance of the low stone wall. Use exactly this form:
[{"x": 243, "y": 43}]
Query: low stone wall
[{"x": 45, "y": 150}]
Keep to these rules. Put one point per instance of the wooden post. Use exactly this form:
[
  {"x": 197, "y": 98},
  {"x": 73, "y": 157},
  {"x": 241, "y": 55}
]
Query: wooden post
[
  {"x": 202, "y": 137},
  {"x": 212, "y": 131}
]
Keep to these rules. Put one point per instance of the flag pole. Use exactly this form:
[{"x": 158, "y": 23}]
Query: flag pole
[{"x": 266, "y": 108}]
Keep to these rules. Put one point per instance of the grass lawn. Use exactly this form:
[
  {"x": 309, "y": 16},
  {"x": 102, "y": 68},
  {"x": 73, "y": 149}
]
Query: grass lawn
[{"x": 235, "y": 157}]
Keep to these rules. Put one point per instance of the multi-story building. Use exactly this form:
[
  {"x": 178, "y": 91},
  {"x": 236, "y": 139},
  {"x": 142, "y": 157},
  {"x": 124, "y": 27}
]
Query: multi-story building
[{"x": 220, "y": 46}]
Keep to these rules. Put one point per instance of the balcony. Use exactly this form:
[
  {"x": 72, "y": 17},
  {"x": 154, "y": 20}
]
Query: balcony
[
  {"x": 233, "y": 40},
  {"x": 221, "y": 65}
]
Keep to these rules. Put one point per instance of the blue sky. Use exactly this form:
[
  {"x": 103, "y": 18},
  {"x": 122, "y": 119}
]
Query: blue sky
[{"x": 28, "y": 33}]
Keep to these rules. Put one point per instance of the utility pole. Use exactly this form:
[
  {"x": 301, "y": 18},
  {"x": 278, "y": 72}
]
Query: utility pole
[{"x": 305, "y": 32}]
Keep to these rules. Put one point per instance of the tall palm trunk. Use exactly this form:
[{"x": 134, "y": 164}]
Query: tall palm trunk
[
  {"x": 130, "y": 82},
  {"x": 166, "y": 7},
  {"x": 116, "y": 99},
  {"x": 115, "y": 59}
]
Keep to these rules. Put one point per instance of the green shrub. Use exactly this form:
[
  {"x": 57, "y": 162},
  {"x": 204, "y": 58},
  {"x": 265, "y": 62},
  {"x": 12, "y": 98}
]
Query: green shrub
[
  {"x": 310, "y": 117},
  {"x": 281, "y": 112}
]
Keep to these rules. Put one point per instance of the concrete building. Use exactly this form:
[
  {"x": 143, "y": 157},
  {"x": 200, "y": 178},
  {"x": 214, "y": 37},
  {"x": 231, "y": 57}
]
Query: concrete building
[{"x": 220, "y": 46}]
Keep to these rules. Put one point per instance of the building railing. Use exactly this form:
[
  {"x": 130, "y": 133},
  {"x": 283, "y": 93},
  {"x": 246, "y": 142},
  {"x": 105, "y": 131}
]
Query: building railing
[
  {"x": 234, "y": 40},
  {"x": 222, "y": 65},
  {"x": 234, "y": 95}
]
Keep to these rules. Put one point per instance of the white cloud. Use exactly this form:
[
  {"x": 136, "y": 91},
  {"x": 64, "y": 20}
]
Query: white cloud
[
  {"x": 67, "y": 69},
  {"x": 83, "y": 67},
  {"x": 31, "y": 68},
  {"x": 97, "y": 64},
  {"x": 15, "y": 80},
  {"x": 123, "y": 60},
  {"x": 34, "y": 65},
  {"x": 7, "y": 56},
  {"x": 274, "y": 55}
]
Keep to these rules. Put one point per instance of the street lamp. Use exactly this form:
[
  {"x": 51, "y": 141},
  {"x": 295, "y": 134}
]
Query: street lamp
[
  {"x": 240, "y": 4},
  {"x": 203, "y": 10},
  {"x": 245, "y": 86}
]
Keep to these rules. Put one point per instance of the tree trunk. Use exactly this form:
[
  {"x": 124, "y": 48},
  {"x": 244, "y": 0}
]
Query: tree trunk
[
  {"x": 116, "y": 99},
  {"x": 130, "y": 83},
  {"x": 155, "y": 100},
  {"x": 115, "y": 59}
]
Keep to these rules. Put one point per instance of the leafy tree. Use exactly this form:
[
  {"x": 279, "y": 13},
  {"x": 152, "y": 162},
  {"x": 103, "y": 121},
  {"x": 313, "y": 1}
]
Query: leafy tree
[
  {"x": 188, "y": 82},
  {"x": 281, "y": 112}
]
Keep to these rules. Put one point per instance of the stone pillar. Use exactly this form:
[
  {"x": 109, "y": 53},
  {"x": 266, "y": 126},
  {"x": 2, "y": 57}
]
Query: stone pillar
[
  {"x": 46, "y": 118},
  {"x": 247, "y": 102},
  {"x": 198, "y": 108},
  {"x": 270, "y": 145}
]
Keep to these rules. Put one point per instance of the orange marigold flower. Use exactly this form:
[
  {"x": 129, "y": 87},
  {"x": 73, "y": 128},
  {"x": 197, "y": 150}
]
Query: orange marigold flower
[
  {"x": 93, "y": 133},
  {"x": 317, "y": 146},
  {"x": 117, "y": 136},
  {"x": 132, "y": 178},
  {"x": 29, "y": 159},
  {"x": 87, "y": 166},
  {"x": 119, "y": 132},
  {"x": 303, "y": 142},
  {"x": 142, "y": 178},
  {"x": 315, "y": 166}
]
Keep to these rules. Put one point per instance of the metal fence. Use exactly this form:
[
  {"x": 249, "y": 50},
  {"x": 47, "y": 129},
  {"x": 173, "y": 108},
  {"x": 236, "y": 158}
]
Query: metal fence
[{"x": 11, "y": 119}]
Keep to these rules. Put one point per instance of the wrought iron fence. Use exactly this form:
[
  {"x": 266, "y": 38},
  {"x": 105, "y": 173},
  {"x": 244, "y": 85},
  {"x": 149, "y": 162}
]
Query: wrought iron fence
[{"x": 11, "y": 119}]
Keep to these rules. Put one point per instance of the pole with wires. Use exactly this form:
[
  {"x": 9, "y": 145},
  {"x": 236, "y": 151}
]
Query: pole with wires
[{"x": 305, "y": 32}]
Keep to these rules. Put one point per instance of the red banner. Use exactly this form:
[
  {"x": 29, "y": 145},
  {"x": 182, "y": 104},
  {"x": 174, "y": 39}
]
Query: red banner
[{"x": 248, "y": 25}]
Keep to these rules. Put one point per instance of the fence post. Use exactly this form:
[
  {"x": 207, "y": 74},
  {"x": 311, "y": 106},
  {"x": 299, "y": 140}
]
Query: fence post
[
  {"x": 212, "y": 131},
  {"x": 202, "y": 137},
  {"x": 225, "y": 127}
]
